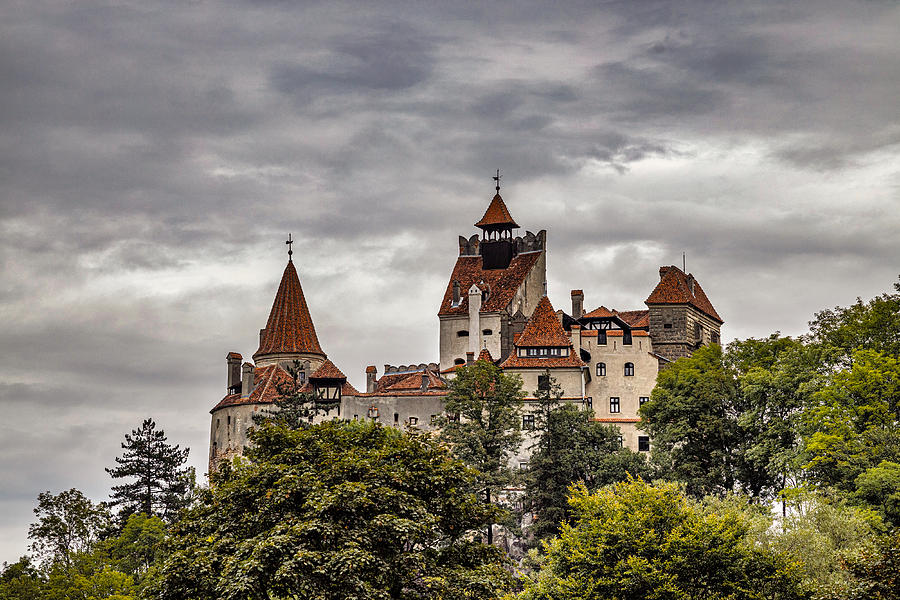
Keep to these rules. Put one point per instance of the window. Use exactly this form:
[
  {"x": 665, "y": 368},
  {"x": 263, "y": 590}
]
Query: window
[
  {"x": 413, "y": 421},
  {"x": 229, "y": 419},
  {"x": 621, "y": 441},
  {"x": 601, "y": 369},
  {"x": 459, "y": 361},
  {"x": 644, "y": 443},
  {"x": 356, "y": 417},
  {"x": 487, "y": 332},
  {"x": 601, "y": 337},
  {"x": 453, "y": 417},
  {"x": 544, "y": 383},
  {"x": 643, "y": 399},
  {"x": 629, "y": 369},
  {"x": 613, "y": 405},
  {"x": 396, "y": 417},
  {"x": 523, "y": 466},
  {"x": 626, "y": 337},
  {"x": 462, "y": 333},
  {"x": 434, "y": 419},
  {"x": 217, "y": 423},
  {"x": 589, "y": 403},
  {"x": 528, "y": 422},
  {"x": 667, "y": 326},
  {"x": 714, "y": 337}
]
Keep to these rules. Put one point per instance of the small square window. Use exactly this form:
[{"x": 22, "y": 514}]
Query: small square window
[
  {"x": 614, "y": 405},
  {"x": 528, "y": 422},
  {"x": 413, "y": 421},
  {"x": 643, "y": 400},
  {"x": 644, "y": 443},
  {"x": 523, "y": 466}
]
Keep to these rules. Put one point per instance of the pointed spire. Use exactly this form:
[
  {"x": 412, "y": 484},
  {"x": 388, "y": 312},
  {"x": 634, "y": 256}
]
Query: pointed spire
[
  {"x": 290, "y": 328},
  {"x": 497, "y": 215}
]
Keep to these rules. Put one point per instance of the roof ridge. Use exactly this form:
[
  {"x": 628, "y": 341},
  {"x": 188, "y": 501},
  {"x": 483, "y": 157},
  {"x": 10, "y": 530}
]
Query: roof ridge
[{"x": 543, "y": 328}]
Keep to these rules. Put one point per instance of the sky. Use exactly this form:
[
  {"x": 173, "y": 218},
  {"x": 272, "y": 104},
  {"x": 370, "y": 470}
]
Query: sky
[{"x": 155, "y": 155}]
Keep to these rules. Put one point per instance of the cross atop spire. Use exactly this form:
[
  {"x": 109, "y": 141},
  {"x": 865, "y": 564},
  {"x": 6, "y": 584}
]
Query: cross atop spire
[
  {"x": 289, "y": 243},
  {"x": 497, "y": 179}
]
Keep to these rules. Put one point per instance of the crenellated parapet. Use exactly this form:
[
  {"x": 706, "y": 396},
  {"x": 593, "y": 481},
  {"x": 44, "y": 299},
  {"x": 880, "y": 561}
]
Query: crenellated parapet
[{"x": 530, "y": 242}]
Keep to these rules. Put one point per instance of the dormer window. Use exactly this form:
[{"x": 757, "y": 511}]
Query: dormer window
[{"x": 543, "y": 352}]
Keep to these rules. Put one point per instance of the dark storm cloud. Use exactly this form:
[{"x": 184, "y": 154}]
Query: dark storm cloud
[{"x": 154, "y": 155}]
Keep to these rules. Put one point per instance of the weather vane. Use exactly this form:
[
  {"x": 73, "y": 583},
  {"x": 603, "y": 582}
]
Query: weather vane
[
  {"x": 289, "y": 243},
  {"x": 497, "y": 179}
]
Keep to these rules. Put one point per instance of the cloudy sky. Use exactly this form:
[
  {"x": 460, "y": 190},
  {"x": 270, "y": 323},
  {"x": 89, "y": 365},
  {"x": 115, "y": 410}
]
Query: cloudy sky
[{"x": 155, "y": 155}]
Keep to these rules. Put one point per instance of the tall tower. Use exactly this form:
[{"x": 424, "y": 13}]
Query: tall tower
[{"x": 495, "y": 285}]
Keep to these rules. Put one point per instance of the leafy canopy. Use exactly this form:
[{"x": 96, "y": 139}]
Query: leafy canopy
[{"x": 335, "y": 510}]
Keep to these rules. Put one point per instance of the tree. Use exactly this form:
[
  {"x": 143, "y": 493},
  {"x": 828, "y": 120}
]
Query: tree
[
  {"x": 876, "y": 573},
  {"x": 67, "y": 523},
  {"x": 161, "y": 486},
  {"x": 485, "y": 430},
  {"x": 573, "y": 448},
  {"x": 853, "y": 423},
  {"x": 335, "y": 510},
  {"x": 776, "y": 377},
  {"x": 692, "y": 420},
  {"x": 636, "y": 540},
  {"x": 872, "y": 325},
  {"x": 879, "y": 487},
  {"x": 137, "y": 547},
  {"x": 21, "y": 581}
]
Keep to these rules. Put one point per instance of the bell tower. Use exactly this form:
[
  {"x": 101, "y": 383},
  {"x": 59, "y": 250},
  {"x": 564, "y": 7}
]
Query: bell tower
[{"x": 497, "y": 246}]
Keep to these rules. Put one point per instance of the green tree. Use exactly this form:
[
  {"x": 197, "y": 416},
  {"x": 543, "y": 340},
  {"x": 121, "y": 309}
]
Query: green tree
[
  {"x": 137, "y": 547},
  {"x": 335, "y": 510},
  {"x": 872, "y": 325},
  {"x": 776, "y": 377},
  {"x": 853, "y": 423},
  {"x": 67, "y": 523},
  {"x": 692, "y": 420},
  {"x": 21, "y": 581},
  {"x": 485, "y": 430},
  {"x": 573, "y": 448},
  {"x": 876, "y": 573},
  {"x": 636, "y": 540},
  {"x": 880, "y": 488},
  {"x": 160, "y": 485}
]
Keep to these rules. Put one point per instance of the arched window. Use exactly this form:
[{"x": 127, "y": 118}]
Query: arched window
[
  {"x": 601, "y": 369},
  {"x": 629, "y": 369},
  {"x": 459, "y": 361}
]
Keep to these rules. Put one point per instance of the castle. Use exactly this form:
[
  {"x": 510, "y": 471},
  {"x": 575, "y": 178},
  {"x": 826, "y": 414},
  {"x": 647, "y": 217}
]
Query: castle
[{"x": 494, "y": 308}]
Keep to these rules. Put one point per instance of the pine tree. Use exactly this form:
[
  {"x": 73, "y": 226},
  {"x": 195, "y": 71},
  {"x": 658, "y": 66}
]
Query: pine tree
[{"x": 161, "y": 486}]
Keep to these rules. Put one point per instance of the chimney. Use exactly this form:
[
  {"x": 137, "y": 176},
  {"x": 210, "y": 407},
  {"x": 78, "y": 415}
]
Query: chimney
[
  {"x": 425, "y": 381},
  {"x": 470, "y": 358},
  {"x": 690, "y": 280},
  {"x": 234, "y": 370},
  {"x": 575, "y": 335},
  {"x": 247, "y": 380},
  {"x": 455, "y": 292},
  {"x": 577, "y": 304},
  {"x": 474, "y": 319},
  {"x": 371, "y": 373}
]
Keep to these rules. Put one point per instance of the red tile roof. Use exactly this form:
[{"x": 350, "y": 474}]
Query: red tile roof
[
  {"x": 634, "y": 318},
  {"x": 531, "y": 362},
  {"x": 290, "y": 328},
  {"x": 413, "y": 382},
  {"x": 267, "y": 381},
  {"x": 674, "y": 288},
  {"x": 485, "y": 354},
  {"x": 502, "y": 283},
  {"x": 328, "y": 371},
  {"x": 599, "y": 313},
  {"x": 496, "y": 215},
  {"x": 543, "y": 329},
  {"x": 234, "y": 355}
]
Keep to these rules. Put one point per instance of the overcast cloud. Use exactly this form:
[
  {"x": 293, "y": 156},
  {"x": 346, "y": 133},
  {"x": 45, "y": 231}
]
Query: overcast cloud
[{"x": 155, "y": 155}]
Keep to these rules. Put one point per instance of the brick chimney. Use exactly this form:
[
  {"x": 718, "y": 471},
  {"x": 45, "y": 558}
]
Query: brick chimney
[
  {"x": 371, "y": 373},
  {"x": 577, "y": 304},
  {"x": 234, "y": 371},
  {"x": 247, "y": 380},
  {"x": 425, "y": 381},
  {"x": 470, "y": 358}
]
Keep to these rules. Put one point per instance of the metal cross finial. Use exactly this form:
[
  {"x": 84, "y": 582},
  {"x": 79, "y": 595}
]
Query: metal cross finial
[
  {"x": 497, "y": 179},
  {"x": 290, "y": 247}
]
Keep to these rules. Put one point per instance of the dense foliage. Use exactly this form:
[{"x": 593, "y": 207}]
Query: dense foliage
[
  {"x": 336, "y": 510},
  {"x": 636, "y": 540}
]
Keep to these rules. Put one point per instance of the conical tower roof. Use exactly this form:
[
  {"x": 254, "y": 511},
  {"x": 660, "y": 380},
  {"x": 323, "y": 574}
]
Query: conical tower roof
[
  {"x": 290, "y": 329},
  {"x": 496, "y": 215}
]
